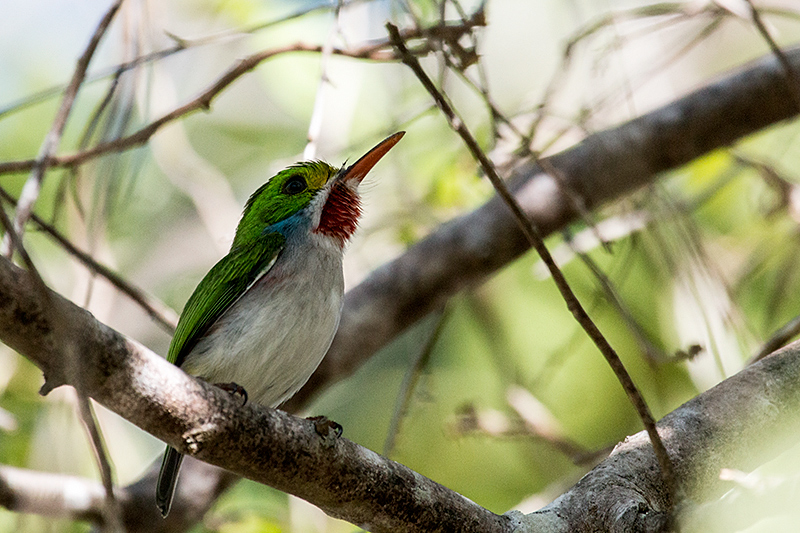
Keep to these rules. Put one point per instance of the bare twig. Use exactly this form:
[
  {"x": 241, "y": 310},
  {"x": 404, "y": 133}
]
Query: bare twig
[
  {"x": 650, "y": 351},
  {"x": 315, "y": 124},
  {"x": 490, "y": 423},
  {"x": 532, "y": 234},
  {"x": 782, "y": 186},
  {"x": 112, "y": 512},
  {"x": 30, "y": 191},
  {"x": 15, "y": 242},
  {"x": 410, "y": 381},
  {"x": 780, "y": 338},
  {"x": 792, "y": 79}
]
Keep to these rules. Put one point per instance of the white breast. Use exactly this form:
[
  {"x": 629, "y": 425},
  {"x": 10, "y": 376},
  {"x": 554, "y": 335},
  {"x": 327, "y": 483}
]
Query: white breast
[{"x": 273, "y": 338}]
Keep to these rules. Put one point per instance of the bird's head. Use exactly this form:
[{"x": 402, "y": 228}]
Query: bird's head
[{"x": 312, "y": 191}]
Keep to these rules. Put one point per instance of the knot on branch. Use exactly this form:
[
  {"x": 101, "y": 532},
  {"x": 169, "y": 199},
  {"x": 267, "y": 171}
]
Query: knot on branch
[
  {"x": 195, "y": 439},
  {"x": 641, "y": 518}
]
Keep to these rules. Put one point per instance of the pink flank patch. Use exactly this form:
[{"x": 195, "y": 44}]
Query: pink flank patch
[{"x": 340, "y": 214}]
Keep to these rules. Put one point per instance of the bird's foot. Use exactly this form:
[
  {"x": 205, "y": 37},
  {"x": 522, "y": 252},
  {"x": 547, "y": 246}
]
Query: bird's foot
[
  {"x": 234, "y": 389},
  {"x": 326, "y": 428}
]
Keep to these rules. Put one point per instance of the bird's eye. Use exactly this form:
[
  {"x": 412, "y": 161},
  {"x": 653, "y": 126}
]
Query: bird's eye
[{"x": 294, "y": 185}]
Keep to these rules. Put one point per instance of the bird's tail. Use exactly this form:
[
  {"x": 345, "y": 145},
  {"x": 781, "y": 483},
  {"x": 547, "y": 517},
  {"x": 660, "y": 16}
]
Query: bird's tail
[{"x": 167, "y": 479}]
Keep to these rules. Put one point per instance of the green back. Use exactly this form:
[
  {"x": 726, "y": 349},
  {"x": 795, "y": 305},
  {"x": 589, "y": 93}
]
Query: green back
[{"x": 221, "y": 287}]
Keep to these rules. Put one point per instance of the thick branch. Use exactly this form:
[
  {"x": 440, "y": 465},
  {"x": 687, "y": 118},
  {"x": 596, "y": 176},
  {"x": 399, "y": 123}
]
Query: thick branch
[
  {"x": 605, "y": 166},
  {"x": 342, "y": 478}
]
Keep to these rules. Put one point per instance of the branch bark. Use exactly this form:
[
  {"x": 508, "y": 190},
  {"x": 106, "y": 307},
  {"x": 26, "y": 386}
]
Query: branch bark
[{"x": 344, "y": 479}]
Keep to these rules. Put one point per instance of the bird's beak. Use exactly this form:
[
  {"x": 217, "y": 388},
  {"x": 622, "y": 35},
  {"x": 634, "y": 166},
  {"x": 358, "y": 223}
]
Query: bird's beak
[{"x": 356, "y": 172}]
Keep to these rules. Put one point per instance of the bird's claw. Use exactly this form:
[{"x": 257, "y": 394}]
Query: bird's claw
[
  {"x": 234, "y": 389},
  {"x": 324, "y": 426}
]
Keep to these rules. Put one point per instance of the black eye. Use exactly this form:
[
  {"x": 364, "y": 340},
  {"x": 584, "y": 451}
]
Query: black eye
[{"x": 294, "y": 185}]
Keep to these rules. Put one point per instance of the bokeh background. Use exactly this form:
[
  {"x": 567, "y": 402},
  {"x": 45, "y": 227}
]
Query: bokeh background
[{"x": 510, "y": 402}]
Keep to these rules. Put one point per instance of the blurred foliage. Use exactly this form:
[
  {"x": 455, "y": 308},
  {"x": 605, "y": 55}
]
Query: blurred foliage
[{"x": 713, "y": 265}]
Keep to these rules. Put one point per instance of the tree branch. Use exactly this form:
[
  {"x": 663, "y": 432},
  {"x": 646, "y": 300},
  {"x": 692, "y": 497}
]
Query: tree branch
[{"x": 344, "y": 479}]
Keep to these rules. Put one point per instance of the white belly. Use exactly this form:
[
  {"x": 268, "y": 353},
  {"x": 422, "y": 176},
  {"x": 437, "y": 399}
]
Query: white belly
[{"x": 272, "y": 339}]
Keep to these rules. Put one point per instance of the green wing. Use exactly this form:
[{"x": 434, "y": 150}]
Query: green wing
[{"x": 221, "y": 287}]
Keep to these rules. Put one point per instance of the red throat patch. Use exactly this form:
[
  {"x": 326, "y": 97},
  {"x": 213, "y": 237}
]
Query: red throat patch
[{"x": 340, "y": 214}]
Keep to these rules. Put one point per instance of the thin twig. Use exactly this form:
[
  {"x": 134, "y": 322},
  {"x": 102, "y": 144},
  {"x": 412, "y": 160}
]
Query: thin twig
[
  {"x": 15, "y": 242},
  {"x": 471, "y": 421},
  {"x": 779, "y": 338},
  {"x": 112, "y": 511},
  {"x": 532, "y": 234},
  {"x": 792, "y": 79},
  {"x": 157, "y": 310},
  {"x": 410, "y": 383},
  {"x": 30, "y": 191},
  {"x": 315, "y": 123},
  {"x": 651, "y": 352}
]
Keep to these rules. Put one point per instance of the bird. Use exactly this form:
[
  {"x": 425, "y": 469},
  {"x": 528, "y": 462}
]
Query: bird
[{"x": 261, "y": 320}]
